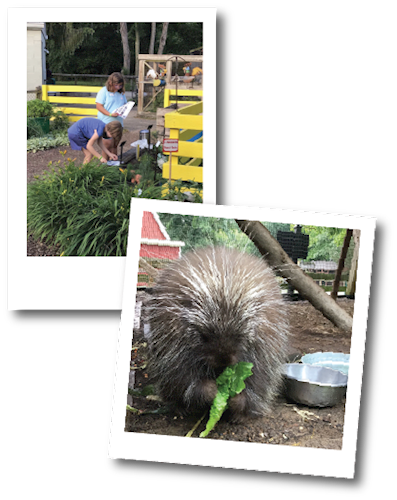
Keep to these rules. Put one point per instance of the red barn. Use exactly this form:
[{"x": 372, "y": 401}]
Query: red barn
[{"x": 156, "y": 243}]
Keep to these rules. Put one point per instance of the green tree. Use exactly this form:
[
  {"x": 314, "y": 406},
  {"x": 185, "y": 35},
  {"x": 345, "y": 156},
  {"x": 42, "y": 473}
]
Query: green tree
[
  {"x": 96, "y": 48},
  {"x": 197, "y": 231},
  {"x": 63, "y": 41},
  {"x": 325, "y": 242}
]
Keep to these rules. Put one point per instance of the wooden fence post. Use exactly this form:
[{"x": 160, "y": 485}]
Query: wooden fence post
[
  {"x": 141, "y": 85},
  {"x": 44, "y": 93}
]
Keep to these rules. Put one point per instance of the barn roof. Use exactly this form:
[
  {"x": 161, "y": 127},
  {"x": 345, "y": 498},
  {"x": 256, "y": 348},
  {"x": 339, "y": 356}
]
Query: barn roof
[
  {"x": 152, "y": 227},
  {"x": 155, "y": 241}
]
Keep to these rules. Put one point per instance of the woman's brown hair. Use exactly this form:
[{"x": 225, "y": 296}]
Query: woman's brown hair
[
  {"x": 116, "y": 129},
  {"x": 113, "y": 79}
]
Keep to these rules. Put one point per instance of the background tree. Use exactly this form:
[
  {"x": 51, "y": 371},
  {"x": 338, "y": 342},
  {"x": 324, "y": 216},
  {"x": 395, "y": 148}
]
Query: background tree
[
  {"x": 197, "y": 232},
  {"x": 152, "y": 38},
  {"x": 96, "y": 48},
  {"x": 163, "y": 38},
  {"x": 325, "y": 242},
  {"x": 126, "y": 48},
  {"x": 63, "y": 41},
  {"x": 137, "y": 47}
]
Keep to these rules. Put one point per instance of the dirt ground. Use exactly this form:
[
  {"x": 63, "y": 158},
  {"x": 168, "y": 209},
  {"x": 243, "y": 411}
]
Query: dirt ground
[{"x": 288, "y": 424}]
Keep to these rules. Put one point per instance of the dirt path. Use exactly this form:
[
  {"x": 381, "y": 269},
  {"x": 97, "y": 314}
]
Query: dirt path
[{"x": 288, "y": 424}]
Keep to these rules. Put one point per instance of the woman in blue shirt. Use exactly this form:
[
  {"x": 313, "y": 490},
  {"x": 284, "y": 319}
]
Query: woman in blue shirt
[
  {"x": 86, "y": 132},
  {"x": 109, "y": 98}
]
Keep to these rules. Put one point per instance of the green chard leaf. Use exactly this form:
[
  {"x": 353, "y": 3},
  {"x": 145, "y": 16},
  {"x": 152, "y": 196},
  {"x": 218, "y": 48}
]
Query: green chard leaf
[{"x": 230, "y": 383}]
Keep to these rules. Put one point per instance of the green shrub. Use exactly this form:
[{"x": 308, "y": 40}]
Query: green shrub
[
  {"x": 84, "y": 209},
  {"x": 60, "y": 122},
  {"x": 39, "y": 109}
]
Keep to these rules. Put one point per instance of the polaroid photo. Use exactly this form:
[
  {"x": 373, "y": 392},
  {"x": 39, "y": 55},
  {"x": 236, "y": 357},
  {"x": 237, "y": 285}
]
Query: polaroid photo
[
  {"x": 213, "y": 291},
  {"x": 93, "y": 282}
]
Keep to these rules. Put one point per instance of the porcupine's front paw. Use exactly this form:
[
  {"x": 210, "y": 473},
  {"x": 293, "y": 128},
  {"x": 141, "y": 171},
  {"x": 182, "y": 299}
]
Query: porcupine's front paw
[
  {"x": 201, "y": 393},
  {"x": 238, "y": 406},
  {"x": 209, "y": 390},
  {"x": 244, "y": 406}
]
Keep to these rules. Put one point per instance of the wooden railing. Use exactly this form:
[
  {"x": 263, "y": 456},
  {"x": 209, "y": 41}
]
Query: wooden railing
[
  {"x": 74, "y": 107},
  {"x": 186, "y": 125},
  {"x": 180, "y": 92}
]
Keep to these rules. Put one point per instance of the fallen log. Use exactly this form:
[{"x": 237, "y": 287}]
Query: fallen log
[{"x": 283, "y": 266}]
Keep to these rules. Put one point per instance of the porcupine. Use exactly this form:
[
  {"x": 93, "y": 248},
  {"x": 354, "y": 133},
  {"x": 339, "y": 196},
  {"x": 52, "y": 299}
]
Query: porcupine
[{"x": 210, "y": 309}]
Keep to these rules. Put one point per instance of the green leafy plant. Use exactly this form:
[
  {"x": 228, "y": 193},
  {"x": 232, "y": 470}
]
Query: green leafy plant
[
  {"x": 39, "y": 109},
  {"x": 59, "y": 122},
  {"x": 38, "y": 117},
  {"x": 48, "y": 141},
  {"x": 230, "y": 383}
]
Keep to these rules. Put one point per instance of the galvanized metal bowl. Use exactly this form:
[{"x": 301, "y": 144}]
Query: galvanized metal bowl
[{"x": 314, "y": 385}]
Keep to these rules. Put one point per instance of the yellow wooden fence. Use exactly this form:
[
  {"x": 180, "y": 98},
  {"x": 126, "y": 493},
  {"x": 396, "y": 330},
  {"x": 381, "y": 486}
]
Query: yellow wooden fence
[
  {"x": 73, "y": 107},
  {"x": 168, "y": 92},
  {"x": 186, "y": 125}
]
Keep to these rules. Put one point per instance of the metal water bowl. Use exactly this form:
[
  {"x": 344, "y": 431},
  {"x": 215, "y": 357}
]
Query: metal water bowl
[{"x": 314, "y": 385}]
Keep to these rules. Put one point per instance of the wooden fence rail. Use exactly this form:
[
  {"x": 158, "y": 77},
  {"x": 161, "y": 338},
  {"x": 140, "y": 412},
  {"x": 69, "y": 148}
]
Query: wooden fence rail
[
  {"x": 181, "y": 92},
  {"x": 75, "y": 107},
  {"x": 101, "y": 78},
  {"x": 186, "y": 125}
]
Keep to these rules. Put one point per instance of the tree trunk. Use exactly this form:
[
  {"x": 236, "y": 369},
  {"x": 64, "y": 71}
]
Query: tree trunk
[
  {"x": 283, "y": 266},
  {"x": 126, "y": 48},
  {"x": 351, "y": 285},
  {"x": 137, "y": 48},
  {"x": 341, "y": 263},
  {"x": 163, "y": 38},
  {"x": 152, "y": 39}
]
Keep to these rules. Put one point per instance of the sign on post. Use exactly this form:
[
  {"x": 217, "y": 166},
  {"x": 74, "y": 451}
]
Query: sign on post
[{"x": 170, "y": 146}]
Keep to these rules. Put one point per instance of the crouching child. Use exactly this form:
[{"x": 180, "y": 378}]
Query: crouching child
[{"x": 86, "y": 132}]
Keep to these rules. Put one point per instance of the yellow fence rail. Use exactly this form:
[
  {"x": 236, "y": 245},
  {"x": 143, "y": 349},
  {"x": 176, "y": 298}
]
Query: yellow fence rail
[
  {"x": 74, "y": 107},
  {"x": 181, "y": 93},
  {"x": 186, "y": 125}
]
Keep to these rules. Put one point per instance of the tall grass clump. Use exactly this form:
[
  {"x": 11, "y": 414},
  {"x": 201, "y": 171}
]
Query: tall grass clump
[{"x": 85, "y": 208}]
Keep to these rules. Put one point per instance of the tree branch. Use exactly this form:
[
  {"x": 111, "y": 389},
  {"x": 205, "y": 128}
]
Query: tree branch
[{"x": 278, "y": 259}]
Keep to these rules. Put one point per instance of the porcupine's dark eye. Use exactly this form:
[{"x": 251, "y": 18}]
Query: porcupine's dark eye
[{"x": 205, "y": 337}]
